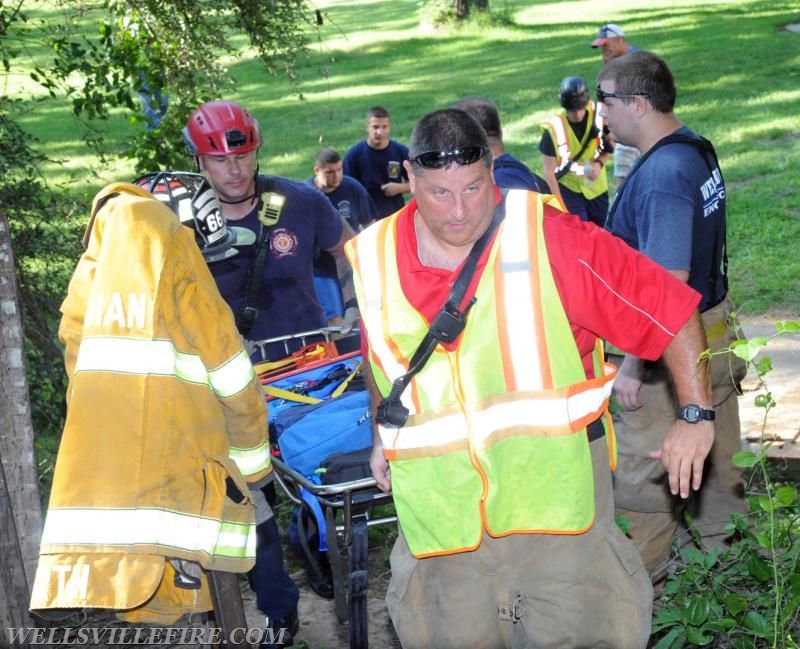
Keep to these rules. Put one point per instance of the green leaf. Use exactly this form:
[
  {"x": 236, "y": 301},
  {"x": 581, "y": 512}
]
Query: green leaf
[
  {"x": 696, "y": 611},
  {"x": 674, "y": 636},
  {"x": 785, "y": 495},
  {"x": 735, "y": 603},
  {"x": 764, "y": 400},
  {"x": 765, "y": 503},
  {"x": 758, "y": 569},
  {"x": 747, "y": 350},
  {"x": 757, "y": 623},
  {"x": 787, "y": 326},
  {"x": 764, "y": 540},
  {"x": 699, "y": 636},
  {"x": 764, "y": 365},
  {"x": 745, "y": 459}
]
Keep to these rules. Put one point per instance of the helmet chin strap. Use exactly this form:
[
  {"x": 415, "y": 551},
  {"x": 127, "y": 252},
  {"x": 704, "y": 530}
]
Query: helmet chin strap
[
  {"x": 241, "y": 200},
  {"x": 249, "y": 197}
]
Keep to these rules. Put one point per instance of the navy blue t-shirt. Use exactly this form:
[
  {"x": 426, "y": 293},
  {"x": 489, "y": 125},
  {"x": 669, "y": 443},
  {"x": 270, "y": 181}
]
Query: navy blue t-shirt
[
  {"x": 376, "y": 167},
  {"x": 355, "y": 205},
  {"x": 510, "y": 173},
  {"x": 287, "y": 301},
  {"x": 672, "y": 208},
  {"x": 353, "y": 202}
]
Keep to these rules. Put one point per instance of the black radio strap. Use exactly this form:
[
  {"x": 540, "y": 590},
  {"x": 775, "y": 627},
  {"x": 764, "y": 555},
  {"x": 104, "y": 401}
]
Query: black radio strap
[
  {"x": 446, "y": 326},
  {"x": 246, "y": 315}
]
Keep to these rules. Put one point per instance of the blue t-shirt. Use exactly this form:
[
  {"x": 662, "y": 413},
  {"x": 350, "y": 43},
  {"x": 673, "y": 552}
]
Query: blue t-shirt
[
  {"x": 672, "y": 208},
  {"x": 355, "y": 205},
  {"x": 286, "y": 301},
  {"x": 353, "y": 202},
  {"x": 376, "y": 167},
  {"x": 510, "y": 173}
]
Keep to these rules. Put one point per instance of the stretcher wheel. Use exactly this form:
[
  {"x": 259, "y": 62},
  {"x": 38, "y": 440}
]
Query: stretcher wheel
[{"x": 357, "y": 583}]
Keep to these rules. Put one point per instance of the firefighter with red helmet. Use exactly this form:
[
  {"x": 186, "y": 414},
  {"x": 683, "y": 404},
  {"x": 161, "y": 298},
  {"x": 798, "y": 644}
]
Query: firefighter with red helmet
[{"x": 269, "y": 284}]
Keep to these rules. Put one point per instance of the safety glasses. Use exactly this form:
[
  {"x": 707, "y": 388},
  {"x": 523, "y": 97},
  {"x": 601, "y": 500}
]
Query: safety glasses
[
  {"x": 607, "y": 31},
  {"x": 602, "y": 96},
  {"x": 438, "y": 159}
]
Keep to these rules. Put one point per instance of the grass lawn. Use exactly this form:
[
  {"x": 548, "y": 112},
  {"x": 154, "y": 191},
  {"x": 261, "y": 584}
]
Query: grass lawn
[{"x": 737, "y": 71}]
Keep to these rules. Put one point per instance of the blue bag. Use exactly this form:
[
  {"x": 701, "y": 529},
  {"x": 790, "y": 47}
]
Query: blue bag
[{"x": 309, "y": 433}]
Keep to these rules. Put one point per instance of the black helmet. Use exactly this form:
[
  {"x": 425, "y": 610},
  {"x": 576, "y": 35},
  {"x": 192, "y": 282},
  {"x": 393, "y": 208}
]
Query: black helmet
[
  {"x": 573, "y": 93},
  {"x": 195, "y": 202}
]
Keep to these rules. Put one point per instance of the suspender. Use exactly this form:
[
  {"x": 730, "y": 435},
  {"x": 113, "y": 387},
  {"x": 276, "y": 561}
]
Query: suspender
[{"x": 705, "y": 149}]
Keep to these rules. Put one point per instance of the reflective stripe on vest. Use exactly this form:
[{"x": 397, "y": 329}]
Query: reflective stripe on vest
[
  {"x": 445, "y": 431},
  {"x": 371, "y": 294},
  {"x": 141, "y": 527},
  {"x": 160, "y": 358},
  {"x": 496, "y": 438},
  {"x": 558, "y": 126}
]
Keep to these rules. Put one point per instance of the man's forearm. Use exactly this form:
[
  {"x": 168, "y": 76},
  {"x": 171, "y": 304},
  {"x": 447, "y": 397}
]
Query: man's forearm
[{"x": 689, "y": 372}]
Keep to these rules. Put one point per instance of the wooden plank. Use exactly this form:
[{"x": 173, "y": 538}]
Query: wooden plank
[{"x": 20, "y": 508}]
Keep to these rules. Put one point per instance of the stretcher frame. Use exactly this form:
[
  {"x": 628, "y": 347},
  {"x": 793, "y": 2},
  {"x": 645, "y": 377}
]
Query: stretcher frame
[{"x": 353, "y": 499}]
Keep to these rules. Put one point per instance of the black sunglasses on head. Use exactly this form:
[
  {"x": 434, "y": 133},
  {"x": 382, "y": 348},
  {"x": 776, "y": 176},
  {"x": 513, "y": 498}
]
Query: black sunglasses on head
[
  {"x": 608, "y": 32},
  {"x": 438, "y": 159},
  {"x": 602, "y": 96}
]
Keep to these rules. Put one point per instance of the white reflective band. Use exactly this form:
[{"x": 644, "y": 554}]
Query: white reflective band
[
  {"x": 233, "y": 376},
  {"x": 110, "y": 527},
  {"x": 514, "y": 414},
  {"x": 250, "y": 460},
  {"x": 159, "y": 357},
  {"x": 370, "y": 240},
  {"x": 561, "y": 142},
  {"x": 519, "y": 320},
  {"x": 436, "y": 432}
]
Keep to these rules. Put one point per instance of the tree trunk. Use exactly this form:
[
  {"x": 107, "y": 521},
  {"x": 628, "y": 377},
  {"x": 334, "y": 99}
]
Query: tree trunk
[
  {"x": 462, "y": 9},
  {"x": 20, "y": 508}
]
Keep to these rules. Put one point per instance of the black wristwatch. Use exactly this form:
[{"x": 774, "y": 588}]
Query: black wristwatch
[{"x": 695, "y": 414}]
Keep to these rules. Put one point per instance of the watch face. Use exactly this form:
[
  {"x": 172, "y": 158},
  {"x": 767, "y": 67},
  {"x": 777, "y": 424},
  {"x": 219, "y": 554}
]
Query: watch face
[{"x": 691, "y": 413}]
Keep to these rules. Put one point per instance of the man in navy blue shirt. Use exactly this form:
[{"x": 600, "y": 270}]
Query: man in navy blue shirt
[
  {"x": 353, "y": 202},
  {"x": 377, "y": 163},
  {"x": 508, "y": 171},
  {"x": 671, "y": 207},
  {"x": 269, "y": 285}
]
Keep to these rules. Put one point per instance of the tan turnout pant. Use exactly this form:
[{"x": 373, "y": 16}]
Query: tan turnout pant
[{"x": 537, "y": 591}]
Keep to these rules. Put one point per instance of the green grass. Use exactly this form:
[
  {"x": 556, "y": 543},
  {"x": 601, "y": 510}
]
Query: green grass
[{"x": 738, "y": 77}]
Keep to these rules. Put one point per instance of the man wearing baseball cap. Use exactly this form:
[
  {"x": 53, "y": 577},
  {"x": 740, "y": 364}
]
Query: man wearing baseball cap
[{"x": 611, "y": 39}]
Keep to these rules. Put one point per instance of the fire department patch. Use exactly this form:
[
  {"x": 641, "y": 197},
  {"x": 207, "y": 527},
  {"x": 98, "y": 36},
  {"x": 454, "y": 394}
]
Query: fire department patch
[{"x": 282, "y": 242}]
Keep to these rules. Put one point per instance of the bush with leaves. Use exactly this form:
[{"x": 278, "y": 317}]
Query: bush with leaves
[
  {"x": 45, "y": 237},
  {"x": 170, "y": 47},
  {"x": 747, "y": 596}
]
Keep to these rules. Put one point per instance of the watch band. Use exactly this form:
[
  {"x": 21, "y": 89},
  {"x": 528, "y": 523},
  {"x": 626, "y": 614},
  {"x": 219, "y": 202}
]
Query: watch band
[{"x": 694, "y": 414}]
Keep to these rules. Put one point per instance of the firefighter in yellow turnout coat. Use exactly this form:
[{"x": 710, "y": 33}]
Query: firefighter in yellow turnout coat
[{"x": 166, "y": 421}]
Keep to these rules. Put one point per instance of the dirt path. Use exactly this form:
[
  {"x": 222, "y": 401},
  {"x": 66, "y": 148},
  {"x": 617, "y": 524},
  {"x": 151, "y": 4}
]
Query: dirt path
[{"x": 319, "y": 628}]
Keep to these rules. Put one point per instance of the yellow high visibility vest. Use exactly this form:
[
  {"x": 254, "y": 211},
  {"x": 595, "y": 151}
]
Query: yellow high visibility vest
[
  {"x": 567, "y": 144},
  {"x": 496, "y": 437}
]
